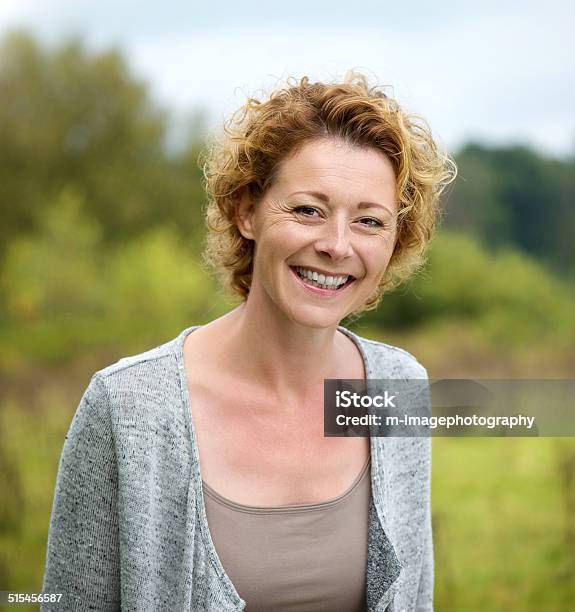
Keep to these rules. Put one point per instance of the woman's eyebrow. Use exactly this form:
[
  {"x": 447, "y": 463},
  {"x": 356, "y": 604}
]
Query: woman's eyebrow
[
  {"x": 315, "y": 194},
  {"x": 324, "y": 198}
]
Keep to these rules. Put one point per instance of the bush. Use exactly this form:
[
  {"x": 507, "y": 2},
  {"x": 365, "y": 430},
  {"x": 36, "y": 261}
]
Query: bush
[
  {"x": 507, "y": 295},
  {"x": 63, "y": 292}
]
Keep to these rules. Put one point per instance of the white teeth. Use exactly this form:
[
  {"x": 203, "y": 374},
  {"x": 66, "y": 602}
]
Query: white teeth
[{"x": 321, "y": 280}]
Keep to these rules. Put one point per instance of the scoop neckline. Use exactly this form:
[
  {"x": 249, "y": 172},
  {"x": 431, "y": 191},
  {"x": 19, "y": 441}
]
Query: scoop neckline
[{"x": 291, "y": 508}]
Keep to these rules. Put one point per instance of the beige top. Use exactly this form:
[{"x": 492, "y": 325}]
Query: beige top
[{"x": 301, "y": 558}]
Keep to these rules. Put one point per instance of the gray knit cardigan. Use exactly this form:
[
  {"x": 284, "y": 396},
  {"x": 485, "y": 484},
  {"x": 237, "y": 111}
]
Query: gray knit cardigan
[{"x": 128, "y": 528}]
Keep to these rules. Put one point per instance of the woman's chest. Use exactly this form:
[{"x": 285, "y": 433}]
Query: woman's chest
[{"x": 257, "y": 453}]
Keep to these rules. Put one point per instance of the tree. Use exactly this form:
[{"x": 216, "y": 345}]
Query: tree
[
  {"x": 76, "y": 119},
  {"x": 515, "y": 196}
]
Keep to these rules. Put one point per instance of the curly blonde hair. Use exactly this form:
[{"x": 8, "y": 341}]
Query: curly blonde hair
[{"x": 260, "y": 135}]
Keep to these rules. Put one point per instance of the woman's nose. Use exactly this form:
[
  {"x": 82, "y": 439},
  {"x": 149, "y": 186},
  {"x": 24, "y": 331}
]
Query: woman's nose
[{"x": 335, "y": 241}]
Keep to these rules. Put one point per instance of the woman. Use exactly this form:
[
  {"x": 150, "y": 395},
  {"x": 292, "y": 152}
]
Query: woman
[{"x": 196, "y": 476}]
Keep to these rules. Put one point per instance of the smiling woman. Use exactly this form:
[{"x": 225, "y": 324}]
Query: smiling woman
[{"x": 197, "y": 476}]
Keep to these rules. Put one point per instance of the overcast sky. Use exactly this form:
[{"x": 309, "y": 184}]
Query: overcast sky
[{"x": 493, "y": 71}]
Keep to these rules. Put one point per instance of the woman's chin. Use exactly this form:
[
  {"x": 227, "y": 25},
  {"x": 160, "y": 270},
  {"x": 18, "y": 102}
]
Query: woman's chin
[{"x": 316, "y": 317}]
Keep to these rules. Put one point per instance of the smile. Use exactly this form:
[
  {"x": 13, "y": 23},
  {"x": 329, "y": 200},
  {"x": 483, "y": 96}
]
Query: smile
[{"x": 322, "y": 284}]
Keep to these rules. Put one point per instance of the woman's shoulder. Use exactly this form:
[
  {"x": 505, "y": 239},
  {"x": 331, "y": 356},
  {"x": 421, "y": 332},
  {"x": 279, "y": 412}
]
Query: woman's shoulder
[{"x": 153, "y": 373}]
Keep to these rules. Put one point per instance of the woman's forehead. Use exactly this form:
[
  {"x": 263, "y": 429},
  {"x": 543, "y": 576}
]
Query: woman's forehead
[{"x": 326, "y": 166}]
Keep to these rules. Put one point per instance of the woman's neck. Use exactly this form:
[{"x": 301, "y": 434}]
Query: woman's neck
[{"x": 288, "y": 359}]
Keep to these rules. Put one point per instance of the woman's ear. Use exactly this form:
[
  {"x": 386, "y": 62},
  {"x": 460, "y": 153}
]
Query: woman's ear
[{"x": 245, "y": 214}]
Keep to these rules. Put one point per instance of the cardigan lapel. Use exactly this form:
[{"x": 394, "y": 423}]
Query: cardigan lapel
[{"x": 383, "y": 565}]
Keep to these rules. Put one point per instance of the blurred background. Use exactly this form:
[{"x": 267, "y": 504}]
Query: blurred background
[{"x": 104, "y": 108}]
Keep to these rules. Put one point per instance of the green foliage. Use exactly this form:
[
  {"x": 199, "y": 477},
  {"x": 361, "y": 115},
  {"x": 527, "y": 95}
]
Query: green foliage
[
  {"x": 474, "y": 204},
  {"x": 516, "y": 196},
  {"x": 31, "y": 443},
  {"x": 509, "y": 297},
  {"x": 69, "y": 117},
  {"x": 154, "y": 282},
  {"x": 62, "y": 291},
  {"x": 55, "y": 271}
]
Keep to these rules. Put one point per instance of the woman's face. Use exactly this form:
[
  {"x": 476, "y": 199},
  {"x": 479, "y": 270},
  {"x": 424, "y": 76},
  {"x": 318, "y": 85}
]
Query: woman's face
[{"x": 330, "y": 215}]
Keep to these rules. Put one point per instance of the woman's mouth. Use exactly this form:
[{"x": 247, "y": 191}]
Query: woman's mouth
[{"x": 322, "y": 284}]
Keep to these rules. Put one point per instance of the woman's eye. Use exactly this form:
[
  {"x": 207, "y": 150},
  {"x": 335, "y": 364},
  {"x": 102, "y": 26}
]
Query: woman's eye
[
  {"x": 371, "y": 222},
  {"x": 306, "y": 211}
]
